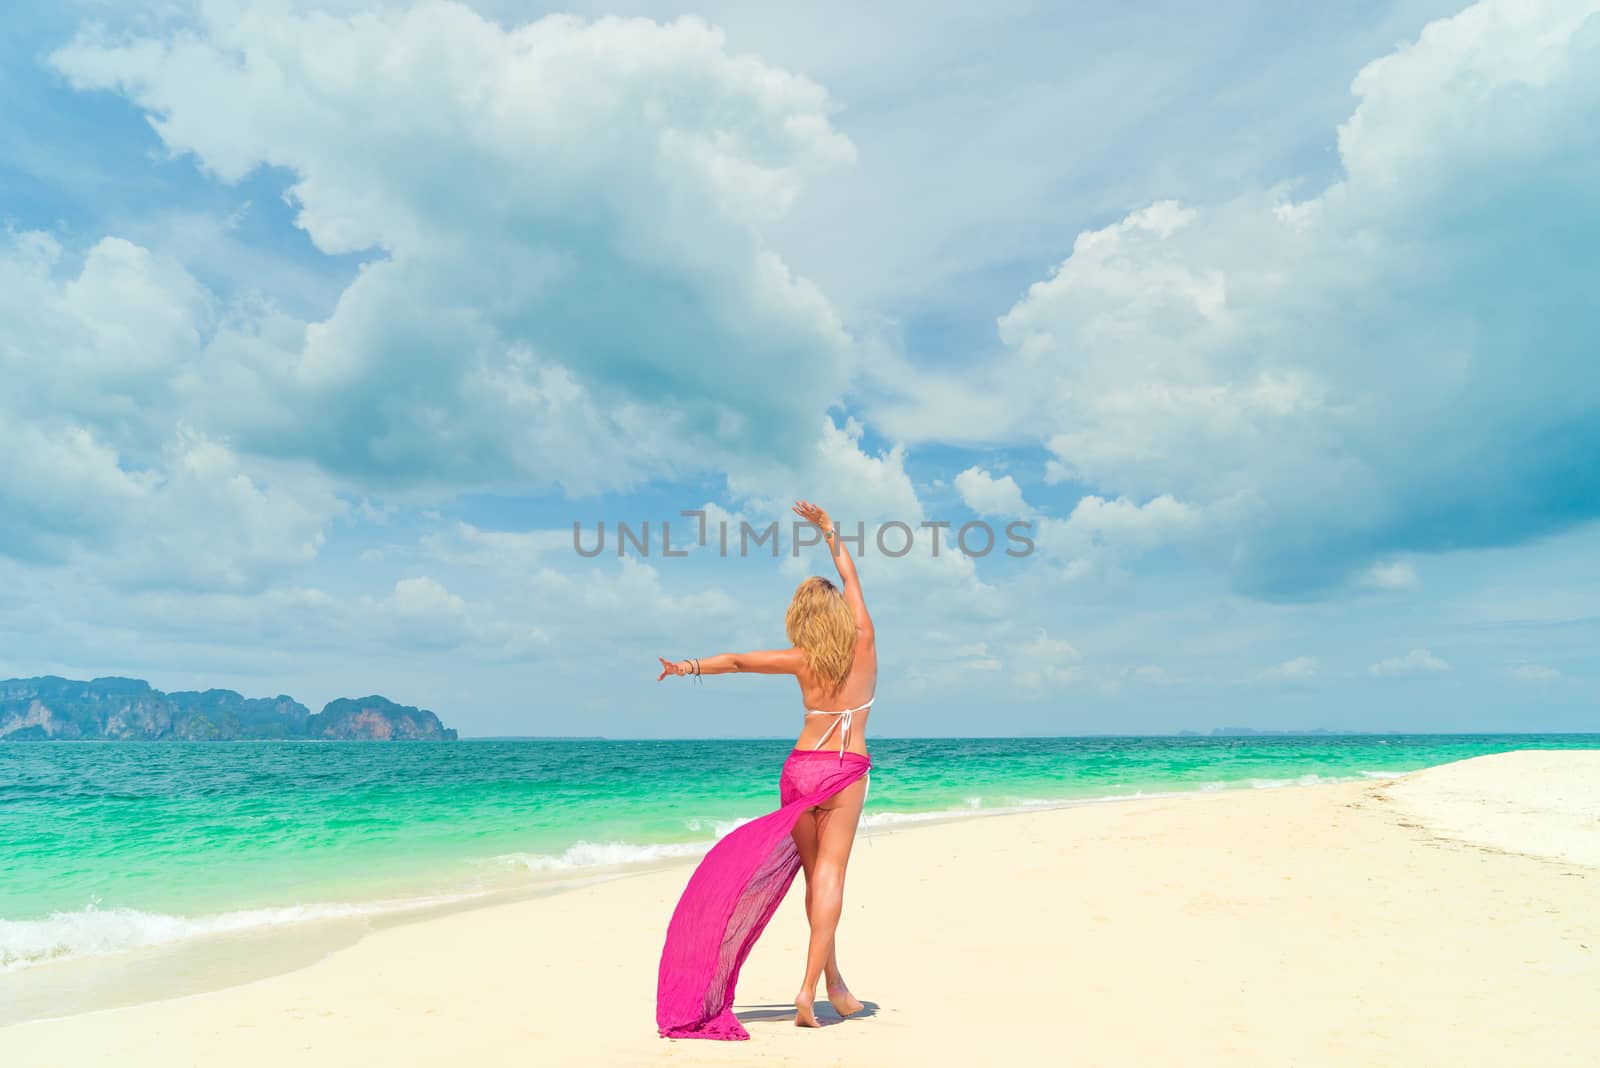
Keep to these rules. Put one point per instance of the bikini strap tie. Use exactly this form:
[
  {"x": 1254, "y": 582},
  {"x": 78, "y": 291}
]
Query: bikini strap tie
[{"x": 845, "y": 717}]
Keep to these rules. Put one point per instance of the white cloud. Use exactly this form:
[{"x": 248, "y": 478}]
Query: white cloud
[
  {"x": 183, "y": 440},
  {"x": 1101, "y": 536},
  {"x": 503, "y": 551},
  {"x": 424, "y": 596},
  {"x": 98, "y": 465},
  {"x": 976, "y": 657},
  {"x": 1043, "y": 666},
  {"x": 200, "y": 517},
  {"x": 1393, "y": 576},
  {"x": 420, "y": 613},
  {"x": 1300, "y": 667},
  {"x": 1303, "y": 362},
  {"x": 1416, "y": 662},
  {"x": 608, "y": 312},
  {"x": 987, "y": 495},
  {"x": 837, "y": 473},
  {"x": 215, "y": 521},
  {"x": 1048, "y": 651},
  {"x": 1534, "y": 673}
]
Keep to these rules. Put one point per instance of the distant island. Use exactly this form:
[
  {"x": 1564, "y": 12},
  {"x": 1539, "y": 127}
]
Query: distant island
[{"x": 118, "y": 709}]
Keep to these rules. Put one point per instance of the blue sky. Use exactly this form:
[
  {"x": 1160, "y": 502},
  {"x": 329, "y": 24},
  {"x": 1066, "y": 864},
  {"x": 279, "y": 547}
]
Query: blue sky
[{"x": 321, "y": 324}]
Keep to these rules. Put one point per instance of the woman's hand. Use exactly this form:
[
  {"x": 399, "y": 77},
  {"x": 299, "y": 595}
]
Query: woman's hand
[
  {"x": 813, "y": 514},
  {"x": 669, "y": 668}
]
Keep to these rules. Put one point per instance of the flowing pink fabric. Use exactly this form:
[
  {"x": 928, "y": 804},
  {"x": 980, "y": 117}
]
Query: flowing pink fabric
[{"x": 732, "y": 895}]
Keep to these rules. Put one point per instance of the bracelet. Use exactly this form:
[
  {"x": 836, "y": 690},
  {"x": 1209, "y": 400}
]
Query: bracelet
[{"x": 696, "y": 660}]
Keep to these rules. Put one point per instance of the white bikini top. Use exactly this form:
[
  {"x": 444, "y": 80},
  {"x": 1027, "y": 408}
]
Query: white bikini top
[{"x": 844, "y": 717}]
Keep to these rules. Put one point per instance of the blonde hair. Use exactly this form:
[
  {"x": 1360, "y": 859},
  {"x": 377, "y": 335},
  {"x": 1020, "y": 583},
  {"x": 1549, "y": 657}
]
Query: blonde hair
[{"x": 821, "y": 624}]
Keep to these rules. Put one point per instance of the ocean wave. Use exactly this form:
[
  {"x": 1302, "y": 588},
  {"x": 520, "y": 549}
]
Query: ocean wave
[
  {"x": 889, "y": 819},
  {"x": 1302, "y": 780},
  {"x": 96, "y": 932},
  {"x": 718, "y": 828},
  {"x": 975, "y": 806},
  {"x": 602, "y": 855}
]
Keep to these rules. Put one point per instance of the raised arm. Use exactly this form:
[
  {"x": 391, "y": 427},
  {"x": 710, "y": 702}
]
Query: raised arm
[
  {"x": 850, "y": 584},
  {"x": 762, "y": 662}
]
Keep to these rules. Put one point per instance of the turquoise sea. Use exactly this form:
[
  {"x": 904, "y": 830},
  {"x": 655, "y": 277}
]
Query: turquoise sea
[{"x": 108, "y": 846}]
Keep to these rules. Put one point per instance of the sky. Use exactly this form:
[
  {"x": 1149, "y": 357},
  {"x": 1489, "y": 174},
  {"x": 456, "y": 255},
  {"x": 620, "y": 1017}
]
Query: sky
[{"x": 323, "y": 324}]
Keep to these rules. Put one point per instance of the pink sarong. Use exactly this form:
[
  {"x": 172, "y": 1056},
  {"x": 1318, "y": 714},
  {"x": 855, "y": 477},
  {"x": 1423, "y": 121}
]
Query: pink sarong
[{"x": 732, "y": 895}]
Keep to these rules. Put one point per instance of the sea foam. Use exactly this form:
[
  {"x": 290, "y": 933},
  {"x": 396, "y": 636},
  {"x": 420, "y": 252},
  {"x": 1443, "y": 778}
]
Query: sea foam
[
  {"x": 602, "y": 855},
  {"x": 96, "y": 931}
]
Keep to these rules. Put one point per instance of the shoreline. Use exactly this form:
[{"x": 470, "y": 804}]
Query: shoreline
[
  {"x": 200, "y": 963},
  {"x": 207, "y": 963},
  {"x": 459, "y": 829}
]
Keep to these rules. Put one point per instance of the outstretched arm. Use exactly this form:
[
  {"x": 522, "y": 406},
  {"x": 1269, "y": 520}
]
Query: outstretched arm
[
  {"x": 762, "y": 662},
  {"x": 850, "y": 584}
]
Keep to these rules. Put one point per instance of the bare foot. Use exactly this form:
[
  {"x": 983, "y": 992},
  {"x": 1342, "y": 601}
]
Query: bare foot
[
  {"x": 844, "y": 1003},
  {"x": 804, "y": 1015}
]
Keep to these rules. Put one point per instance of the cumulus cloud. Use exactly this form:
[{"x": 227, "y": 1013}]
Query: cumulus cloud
[
  {"x": 1100, "y": 536},
  {"x": 1300, "y": 667},
  {"x": 1394, "y": 576},
  {"x": 1534, "y": 673},
  {"x": 503, "y": 551},
  {"x": 211, "y": 520},
  {"x": 1416, "y": 662},
  {"x": 1043, "y": 680},
  {"x": 1043, "y": 665},
  {"x": 98, "y": 465},
  {"x": 566, "y": 280},
  {"x": 987, "y": 495},
  {"x": 101, "y": 345},
  {"x": 1047, "y": 650},
  {"x": 420, "y": 613},
  {"x": 836, "y": 472},
  {"x": 606, "y": 311},
  {"x": 1403, "y": 362}
]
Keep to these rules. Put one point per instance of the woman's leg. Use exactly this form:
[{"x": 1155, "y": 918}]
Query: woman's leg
[
  {"x": 805, "y": 840},
  {"x": 835, "y": 822}
]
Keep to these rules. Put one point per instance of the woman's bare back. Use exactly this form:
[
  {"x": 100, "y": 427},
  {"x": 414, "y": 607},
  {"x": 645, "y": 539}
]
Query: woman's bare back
[{"x": 857, "y": 690}]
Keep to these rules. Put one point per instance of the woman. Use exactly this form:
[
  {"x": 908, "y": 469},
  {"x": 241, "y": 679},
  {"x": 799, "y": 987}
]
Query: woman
[{"x": 737, "y": 887}]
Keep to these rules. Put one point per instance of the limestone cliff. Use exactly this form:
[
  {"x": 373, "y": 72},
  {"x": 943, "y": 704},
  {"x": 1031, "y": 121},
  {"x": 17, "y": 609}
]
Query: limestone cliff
[{"x": 49, "y": 707}]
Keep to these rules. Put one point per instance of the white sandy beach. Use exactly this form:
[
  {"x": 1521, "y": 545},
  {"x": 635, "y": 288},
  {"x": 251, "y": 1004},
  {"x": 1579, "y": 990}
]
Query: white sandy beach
[{"x": 1449, "y": 917}]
